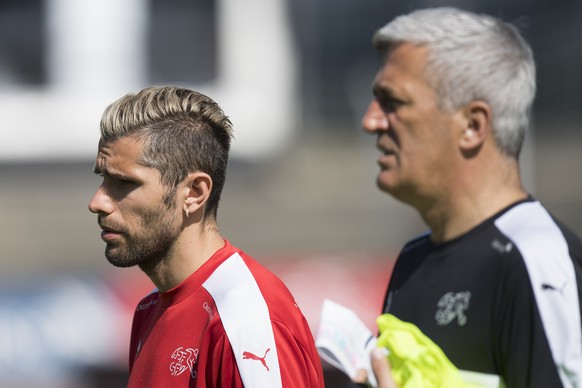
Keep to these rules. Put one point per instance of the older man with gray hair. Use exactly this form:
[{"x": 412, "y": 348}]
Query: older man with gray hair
[{"x": 496, "y": 281}]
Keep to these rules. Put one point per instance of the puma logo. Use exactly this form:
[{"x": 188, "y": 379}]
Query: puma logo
[
  {"x": 550, "y": 287},
  {"x": 251, "y": 356}
]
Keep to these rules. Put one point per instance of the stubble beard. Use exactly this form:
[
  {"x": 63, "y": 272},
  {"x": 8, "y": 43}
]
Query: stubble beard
[{"x": 148, "y": 248}]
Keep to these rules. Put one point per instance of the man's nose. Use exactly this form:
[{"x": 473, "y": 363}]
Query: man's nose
[
  {"x": 374, "y": 119},
  {"x": 100, "y": 203}
]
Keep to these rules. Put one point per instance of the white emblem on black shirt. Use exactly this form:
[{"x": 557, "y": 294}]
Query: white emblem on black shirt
[
  {"x": 501, "y": 247},
  {"x": 453, "y": 305}
]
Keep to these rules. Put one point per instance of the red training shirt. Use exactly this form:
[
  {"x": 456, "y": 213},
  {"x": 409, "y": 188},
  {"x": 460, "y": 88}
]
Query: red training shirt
[{"x": 232, "y": 323}]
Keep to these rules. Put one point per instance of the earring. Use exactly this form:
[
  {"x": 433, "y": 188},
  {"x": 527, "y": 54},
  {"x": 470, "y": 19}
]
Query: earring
[{"x": 187, "y": 212}]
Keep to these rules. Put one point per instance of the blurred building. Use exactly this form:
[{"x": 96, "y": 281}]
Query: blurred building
[{"x": 306, "y": 66}]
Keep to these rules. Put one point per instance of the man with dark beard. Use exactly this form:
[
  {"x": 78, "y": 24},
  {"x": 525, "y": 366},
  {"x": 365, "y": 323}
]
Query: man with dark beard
[{"x": 217, "y": 318}]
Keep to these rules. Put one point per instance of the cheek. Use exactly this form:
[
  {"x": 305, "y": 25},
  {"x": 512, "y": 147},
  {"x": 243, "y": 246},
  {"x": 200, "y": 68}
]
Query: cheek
[{"x": 159, "y": 218}]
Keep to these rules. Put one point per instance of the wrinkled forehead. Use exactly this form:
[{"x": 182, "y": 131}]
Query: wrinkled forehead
[
  {"x": 102, "y": 155},
  {"x": 125, "y": 151}
]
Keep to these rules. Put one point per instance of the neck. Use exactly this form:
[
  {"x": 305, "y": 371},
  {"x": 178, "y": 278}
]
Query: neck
[
  {"x": 193, "y": 247},
  {"x": 447, "y": 225},
  {"x": 472, "y": 199}
]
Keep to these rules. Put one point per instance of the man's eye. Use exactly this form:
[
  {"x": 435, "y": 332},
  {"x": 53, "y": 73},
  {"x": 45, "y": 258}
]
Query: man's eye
[
  {"x": 117, "y": 180},
  {"x": 124, "y": 181},
  {"x": 390, "y": 104}
]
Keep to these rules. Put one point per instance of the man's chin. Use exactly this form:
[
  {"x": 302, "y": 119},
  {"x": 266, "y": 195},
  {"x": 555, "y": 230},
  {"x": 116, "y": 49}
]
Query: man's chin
[
  {"x": 395, "y": 190},
  {"x": 384, "y": 185},
  {"x": 118, "y": 260},
  {"x": 121, "y": 264}
]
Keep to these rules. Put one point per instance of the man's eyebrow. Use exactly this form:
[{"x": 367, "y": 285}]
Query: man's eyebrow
[
  {"x": 114, "y": 174},
  {"x": 117, "y": 175},
  {"x": 382, "y": 90}
]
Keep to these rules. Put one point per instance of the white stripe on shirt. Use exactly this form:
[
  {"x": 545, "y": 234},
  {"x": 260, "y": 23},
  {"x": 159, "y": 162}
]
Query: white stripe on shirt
[
  {"x": 245, "y": 317},
  {"x": 551, "y": 271}
]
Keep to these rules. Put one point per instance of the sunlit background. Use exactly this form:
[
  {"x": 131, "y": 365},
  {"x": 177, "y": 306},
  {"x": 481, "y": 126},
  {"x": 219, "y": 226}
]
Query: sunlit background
[{"x": 294, "y": 76}]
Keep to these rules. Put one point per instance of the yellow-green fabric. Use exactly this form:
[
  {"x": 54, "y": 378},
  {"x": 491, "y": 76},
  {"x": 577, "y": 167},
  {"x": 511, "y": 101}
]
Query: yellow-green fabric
[{"x": 416, "y": 361}]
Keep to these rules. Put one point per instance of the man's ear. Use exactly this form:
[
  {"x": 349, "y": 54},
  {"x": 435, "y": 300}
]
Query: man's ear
[
  {"x": 198, "y": 186},
  {"x": 477, "y": 127}
]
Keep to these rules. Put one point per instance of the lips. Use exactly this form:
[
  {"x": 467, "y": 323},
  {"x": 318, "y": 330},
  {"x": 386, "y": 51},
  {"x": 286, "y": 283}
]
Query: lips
[
  {"x": 385, "y": 150},
  {"x": 385, "y": 161},
  {"x": 107, "y": 235},
  {"x": 107, "y": 229},
  {"x": 108, "y": 232},
  {"x": 387, "y": 143}
]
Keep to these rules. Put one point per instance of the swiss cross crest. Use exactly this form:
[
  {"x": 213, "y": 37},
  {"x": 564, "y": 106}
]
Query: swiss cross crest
[
  {"x": 453, "y": 306},
  {"x": 184, "y": 359}
]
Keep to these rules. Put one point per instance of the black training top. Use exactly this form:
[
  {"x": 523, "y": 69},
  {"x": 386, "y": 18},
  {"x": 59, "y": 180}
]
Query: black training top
[{"x": 502, "y": 300}]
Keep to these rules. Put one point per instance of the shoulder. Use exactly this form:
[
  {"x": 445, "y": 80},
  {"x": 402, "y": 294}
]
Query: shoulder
[
  {"x": 531, "y": 218},
  {"x": 260, "y": 319},
  {"x": 551, "y": 254},
  {"x": 243, "y": 286},
  {"x": 538, "y": 236},
  {"x": 572, "y": 240},
  {"x": 241, "y": 272}
]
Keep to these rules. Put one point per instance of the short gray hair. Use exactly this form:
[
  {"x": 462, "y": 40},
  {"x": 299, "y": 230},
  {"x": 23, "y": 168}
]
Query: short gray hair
[{"x": 473, "y": 57}]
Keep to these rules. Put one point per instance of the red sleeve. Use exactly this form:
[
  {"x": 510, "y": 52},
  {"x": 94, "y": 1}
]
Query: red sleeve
[
  {"x": 300, "y": 367},
  {"x": 299, "y": 363}
]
